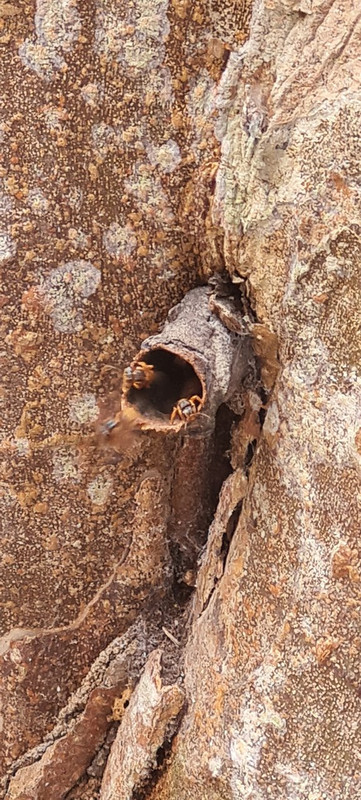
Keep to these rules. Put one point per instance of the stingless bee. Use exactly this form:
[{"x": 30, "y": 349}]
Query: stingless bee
[
  {"x": 185, "y": 409},
  {"x": 138, "y": 375},
  {"x": 119, "y": 431}
]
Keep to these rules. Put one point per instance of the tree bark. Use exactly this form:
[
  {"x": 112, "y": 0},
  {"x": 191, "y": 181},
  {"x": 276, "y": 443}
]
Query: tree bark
[{"x": 116, "y": 118}]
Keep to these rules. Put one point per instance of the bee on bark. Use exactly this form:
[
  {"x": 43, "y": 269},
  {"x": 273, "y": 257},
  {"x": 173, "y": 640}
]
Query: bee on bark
[{"x": 117, "y": 431}]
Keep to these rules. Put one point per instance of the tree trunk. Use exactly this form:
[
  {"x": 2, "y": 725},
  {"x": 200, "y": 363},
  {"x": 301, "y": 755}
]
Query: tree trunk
[{"x": 116, "y": 117}]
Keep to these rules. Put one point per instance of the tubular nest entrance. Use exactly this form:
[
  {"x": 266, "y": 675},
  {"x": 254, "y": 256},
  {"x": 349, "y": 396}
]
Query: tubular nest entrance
[{"x": 157, "y": 382}]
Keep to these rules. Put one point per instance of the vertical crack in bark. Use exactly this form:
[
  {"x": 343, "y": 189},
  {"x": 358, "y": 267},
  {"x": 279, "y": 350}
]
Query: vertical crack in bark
[{"x": 251, "y": 404}]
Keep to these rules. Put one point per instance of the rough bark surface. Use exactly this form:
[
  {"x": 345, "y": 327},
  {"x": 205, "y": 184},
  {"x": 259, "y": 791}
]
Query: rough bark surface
[
  {"x": 273, "y": 663},
  {"x": 114, "y": 115},
  {"x": 147, "y": 722},
  {"x": 108, "y": 160}
]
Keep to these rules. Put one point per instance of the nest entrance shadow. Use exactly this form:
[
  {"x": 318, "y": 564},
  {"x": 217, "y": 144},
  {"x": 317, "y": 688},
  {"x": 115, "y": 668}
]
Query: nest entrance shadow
[{"x": 173, "y": 378}]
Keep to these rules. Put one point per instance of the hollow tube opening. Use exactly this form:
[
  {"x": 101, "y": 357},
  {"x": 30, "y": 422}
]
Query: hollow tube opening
[{"x": 173, "y": 378}]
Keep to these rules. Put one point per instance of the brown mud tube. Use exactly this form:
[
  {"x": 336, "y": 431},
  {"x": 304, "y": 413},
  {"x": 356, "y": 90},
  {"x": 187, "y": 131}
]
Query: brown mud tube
[{"x": 196, "y": 355}]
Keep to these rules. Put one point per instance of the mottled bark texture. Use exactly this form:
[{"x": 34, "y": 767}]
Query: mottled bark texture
[
  {"x": 273, "y": 662},
  {"x": 109, "y": 148},
  {"x": 149, "y": 719},
  {"x": 115, "y": 116}
]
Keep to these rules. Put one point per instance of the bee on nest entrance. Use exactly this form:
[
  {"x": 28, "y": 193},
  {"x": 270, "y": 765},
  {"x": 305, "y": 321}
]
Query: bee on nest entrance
[
  {"x": 181, "y": 376},
  {"x": 164, "y": 389}
]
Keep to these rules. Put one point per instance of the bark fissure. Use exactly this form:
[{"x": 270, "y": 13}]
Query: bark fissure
[{"x": 115, "y": 117}]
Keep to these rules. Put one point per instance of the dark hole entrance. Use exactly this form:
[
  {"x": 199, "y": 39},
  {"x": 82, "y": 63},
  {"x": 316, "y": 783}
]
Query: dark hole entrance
[
  {"x": 173, "y": 379},
  {"x": 251, "y": 449},
  {"x": 230, "y": 529}
]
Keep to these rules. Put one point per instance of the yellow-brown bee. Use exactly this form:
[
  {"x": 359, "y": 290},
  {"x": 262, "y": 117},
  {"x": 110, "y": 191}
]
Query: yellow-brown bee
[
  {"x": 138, "y": 375},
  {"x": 185, "y": 409},
  {"x": 117, "y": 432}
]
